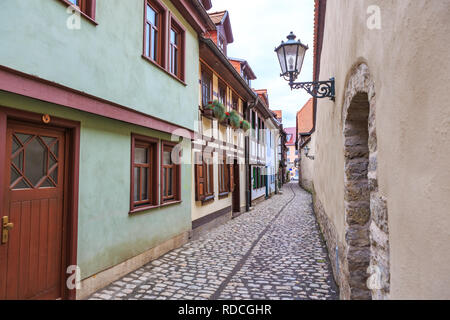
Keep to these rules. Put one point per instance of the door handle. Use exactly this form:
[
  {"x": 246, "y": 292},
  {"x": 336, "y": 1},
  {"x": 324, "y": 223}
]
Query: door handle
[{"x": 6, "y": 226}]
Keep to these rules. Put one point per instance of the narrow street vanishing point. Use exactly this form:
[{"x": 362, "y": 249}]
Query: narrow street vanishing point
[{"x": 275, "y": 251}]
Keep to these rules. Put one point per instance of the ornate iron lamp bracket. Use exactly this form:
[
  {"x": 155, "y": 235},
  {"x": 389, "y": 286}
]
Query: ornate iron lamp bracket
[{"x": 318, "y": 89}]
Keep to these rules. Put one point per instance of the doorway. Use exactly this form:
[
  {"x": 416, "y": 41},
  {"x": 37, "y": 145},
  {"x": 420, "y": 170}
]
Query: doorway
[{"x": 39, "y": 192}]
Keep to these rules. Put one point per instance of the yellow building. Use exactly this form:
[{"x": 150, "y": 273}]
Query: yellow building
[{"x": 219, "y": 184}]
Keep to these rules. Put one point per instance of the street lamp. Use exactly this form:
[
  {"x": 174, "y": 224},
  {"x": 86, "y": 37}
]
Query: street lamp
[{"x": 291, "y": 55}]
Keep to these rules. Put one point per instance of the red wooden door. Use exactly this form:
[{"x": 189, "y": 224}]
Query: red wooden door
[{"x": 31, "y": 258}]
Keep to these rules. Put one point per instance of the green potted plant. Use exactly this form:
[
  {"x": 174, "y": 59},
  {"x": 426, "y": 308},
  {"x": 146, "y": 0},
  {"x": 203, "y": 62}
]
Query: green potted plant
[
  {"x": 245, "y": 125},
  {"x": 219, "y": 111},
  {"x": 208, "y": 111},
  {"x": 235, "y": 119}
]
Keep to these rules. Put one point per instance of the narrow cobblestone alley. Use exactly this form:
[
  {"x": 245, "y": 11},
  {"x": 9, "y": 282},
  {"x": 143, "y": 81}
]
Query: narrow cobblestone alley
[{"x": 274, "y": 252}]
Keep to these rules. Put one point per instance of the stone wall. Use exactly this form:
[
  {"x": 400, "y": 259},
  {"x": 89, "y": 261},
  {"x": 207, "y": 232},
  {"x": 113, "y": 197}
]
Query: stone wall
[
  {"x": 409, "y": 221},
  {"x": 366, "y": 232},
  {"x": 335, "y": 248},
  {"x": 360, "y": 262}
]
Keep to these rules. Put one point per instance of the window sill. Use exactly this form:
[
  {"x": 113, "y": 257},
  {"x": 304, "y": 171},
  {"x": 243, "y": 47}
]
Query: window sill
[
  {"x": 69, "y": 4},
  {"x": 162, "y": 69},
  {"x": 223, "y": 195},
  {"x": 169, "y": 203},
  {"x": 207, "y": 199},
  {"x": 141, "y": 209}
]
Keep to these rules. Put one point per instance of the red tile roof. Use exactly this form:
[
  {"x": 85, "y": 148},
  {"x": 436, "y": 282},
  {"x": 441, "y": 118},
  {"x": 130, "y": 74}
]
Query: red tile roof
[
  {"x": 278, "y": 113},
  {"x": 217, "y": 17},
  {"x": 223, "y": 18},
  {"x": 262, "y": 93},
  {"x": 305, "y": 121}
]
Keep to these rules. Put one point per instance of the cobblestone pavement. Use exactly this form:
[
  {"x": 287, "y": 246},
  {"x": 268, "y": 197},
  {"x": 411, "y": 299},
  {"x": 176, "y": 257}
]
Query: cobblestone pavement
[{"x": 274, "y": 251}]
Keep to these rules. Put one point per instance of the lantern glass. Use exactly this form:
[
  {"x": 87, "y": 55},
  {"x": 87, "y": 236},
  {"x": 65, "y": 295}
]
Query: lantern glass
[
  {"x": 291, "y": 55},
  {"x": 300, "y": 57},
  {"x": 282, "y": 59}
]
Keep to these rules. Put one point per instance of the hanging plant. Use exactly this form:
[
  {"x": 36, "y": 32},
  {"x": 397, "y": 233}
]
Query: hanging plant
[
  {"x": 235, "y": 119},
  {"x": 226, "y": 120},
  {"x": 208, "y": 110},
  {"x": 210, "y": 105},
  {"x": 245, "y": 125},
  {"x": 219, "y": 111}
]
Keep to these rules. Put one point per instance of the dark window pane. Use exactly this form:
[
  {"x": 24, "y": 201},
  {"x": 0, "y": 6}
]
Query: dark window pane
[
  {"x": 144, "y": 194},
  {"x": 147, "y": 40},
  {"x": 169, "y": 187},
  {"x": 21, "y": 185},
  {"x": 208, "y": 189},
  {"x": 141, "y": 155},
  {"x": 15, "y": 145},
  {"x": 47, "y": 184},
  {"x": 48, "y": 140},
  {"x": 154, "y": 44},
  {"x": 54, "y": 175},
  {"x": 35, "y": 161},
  {"x": 14, "y": 175},
  {"x": 164, "y": 181},
  {"x": 51, "y": 162},
  {"x": 23, "y": 137},
  {"x": 54, "y": 148},
  {"x": 18, "y": 160},
  {"x": 137, "y": 183},
  {"x": 167, "y": 159},
  {"x": 175, "y": 61}
]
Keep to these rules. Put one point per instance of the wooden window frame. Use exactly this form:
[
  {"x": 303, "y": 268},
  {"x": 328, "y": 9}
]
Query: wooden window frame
[
  {"x": 207, "y": 180},
  {"x": 87, "y": 8},
  {"x": 206, "y": 72},
  {"x": 221, "y": 43},
  {"x": 222, "y": 99},
  {"x": 176, "y": 176},
  {"x": 161, "y": 10},
  {"x": 151, "y": 143},
  {"x": 223, "y": 177},
  {"x": 181, "y": 34},
  {"x": 234, "y": 102}
]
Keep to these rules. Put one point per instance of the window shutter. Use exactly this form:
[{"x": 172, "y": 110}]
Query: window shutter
[
  {"x": 231, "y": 177},
  {"x": 199, "y": 178},
  {"x": 211, "y": 178}
]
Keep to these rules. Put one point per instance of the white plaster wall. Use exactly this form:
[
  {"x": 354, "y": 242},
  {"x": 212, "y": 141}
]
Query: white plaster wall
[
  {"x": 307, "y": 165},
  {"x": 409, "y": 61}
]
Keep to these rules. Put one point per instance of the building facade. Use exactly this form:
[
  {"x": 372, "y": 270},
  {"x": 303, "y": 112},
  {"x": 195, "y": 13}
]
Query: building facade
[
  {"x": 291, "y": 153},
  {"x": 219, "y": 150},
  {"x": 305, "y": 145},
  {"x": 82, "y": 97},
  {"x": 381, "y": 168}
]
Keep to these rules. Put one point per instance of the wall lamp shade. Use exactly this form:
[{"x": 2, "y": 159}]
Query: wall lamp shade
[{"x": 291, "y": 55}]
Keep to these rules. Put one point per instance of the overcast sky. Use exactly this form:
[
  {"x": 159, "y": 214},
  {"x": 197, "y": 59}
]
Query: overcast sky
[{"x": 258, "y": 27}]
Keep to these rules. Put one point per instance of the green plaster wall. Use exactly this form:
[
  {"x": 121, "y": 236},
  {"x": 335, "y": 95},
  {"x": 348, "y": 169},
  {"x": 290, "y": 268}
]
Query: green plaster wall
[
  {"x": 103, "y": 60},
  {"x": 107, "y": 235}
]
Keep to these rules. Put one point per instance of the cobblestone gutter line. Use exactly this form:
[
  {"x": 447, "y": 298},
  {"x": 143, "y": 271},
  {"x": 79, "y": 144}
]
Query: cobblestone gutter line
[{"x": 241, "y": 262}]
